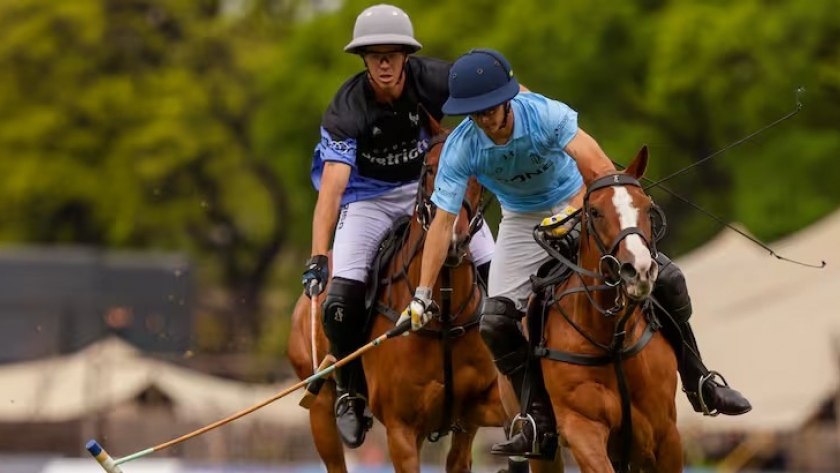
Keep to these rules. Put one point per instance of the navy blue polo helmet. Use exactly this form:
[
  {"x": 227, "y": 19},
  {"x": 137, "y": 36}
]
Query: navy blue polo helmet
[{"x": 479, "y": 80}]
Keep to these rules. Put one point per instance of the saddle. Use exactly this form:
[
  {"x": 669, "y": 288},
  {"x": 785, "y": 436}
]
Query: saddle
[
  {"x": 543, "y": 285},
  {"x": 389, "y": 246}
]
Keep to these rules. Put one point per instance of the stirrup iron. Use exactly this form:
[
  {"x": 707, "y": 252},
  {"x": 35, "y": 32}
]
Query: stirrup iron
[
  {"x": 709, "y": 377},
  {"x": 346, "y": 397},
  {"x": 521, "y": 419}
]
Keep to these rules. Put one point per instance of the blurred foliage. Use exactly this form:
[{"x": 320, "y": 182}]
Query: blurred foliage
[{"x": 189, "y": 125}]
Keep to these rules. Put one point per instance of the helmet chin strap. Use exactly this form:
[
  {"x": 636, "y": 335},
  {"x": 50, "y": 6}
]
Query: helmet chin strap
[
  {"x": 380, "y": 94},
  {"x": 505, "y": 118}
]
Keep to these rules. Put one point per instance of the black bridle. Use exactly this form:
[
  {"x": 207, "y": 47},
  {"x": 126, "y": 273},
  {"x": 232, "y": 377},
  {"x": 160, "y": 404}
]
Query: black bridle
[
  {"x": 612, "y": 272},
  {"x": 425, "y": 209},
  {"x": 609, "y": 268}
]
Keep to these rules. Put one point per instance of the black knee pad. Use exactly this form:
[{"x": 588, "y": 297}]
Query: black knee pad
[
  {"x": 671, "y": 289},
  {"x": 501, "y": 334},
  {"x": 344, "y": 314}
]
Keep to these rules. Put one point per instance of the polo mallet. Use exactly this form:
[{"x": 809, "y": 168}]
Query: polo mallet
[
  {"x": 313, "y": 309},
  {"x": 313, "y": 388},
  {"x": 111, "y": 465}
]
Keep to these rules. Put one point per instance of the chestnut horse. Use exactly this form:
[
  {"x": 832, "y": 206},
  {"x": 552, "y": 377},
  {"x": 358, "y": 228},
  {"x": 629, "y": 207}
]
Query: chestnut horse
[
  {"x": 611, "y": 376},
  {"x": 438, "y": 380}
]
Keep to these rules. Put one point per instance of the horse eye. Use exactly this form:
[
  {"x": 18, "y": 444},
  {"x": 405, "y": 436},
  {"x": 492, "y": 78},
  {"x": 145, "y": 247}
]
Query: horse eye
[{"x": 596, "y": 213}]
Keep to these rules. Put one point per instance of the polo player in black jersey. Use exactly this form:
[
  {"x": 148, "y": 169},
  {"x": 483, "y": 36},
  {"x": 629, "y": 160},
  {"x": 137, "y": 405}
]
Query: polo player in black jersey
[{"x": 366, "y": 167}]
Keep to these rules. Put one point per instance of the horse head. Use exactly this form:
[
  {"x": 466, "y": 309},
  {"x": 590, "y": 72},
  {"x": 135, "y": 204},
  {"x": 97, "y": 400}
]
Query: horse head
[
  {"x": 617, "y": 221},
  {"x": 469, "y": 219},
  {"x": 616, "y": 265}
]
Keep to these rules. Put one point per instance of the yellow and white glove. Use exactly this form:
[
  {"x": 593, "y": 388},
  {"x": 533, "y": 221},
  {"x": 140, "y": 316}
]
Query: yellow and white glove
[
  {"x": 550, "y": 226},
  {"x": 421, "y": 309}
]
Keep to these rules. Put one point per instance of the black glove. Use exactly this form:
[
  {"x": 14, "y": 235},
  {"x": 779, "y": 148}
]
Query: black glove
[{"x": 315, "y": 275}]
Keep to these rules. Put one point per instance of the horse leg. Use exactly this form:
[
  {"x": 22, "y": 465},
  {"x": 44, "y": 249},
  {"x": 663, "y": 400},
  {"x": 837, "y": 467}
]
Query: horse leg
[
  {"x": 545, "y": 466},
  {"x": 459, "y": 459},
  {"x": 404, "y": 448},
  {"x": 587, "y": 440},
  {"x": 325, "y": 432},
  {"x": 490, "y": 409},
  {"x": 669, "y": 453},
  {"x": 492, "y": 412}
]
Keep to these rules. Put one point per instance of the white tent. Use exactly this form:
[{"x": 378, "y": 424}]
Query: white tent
[
  {"x": 719, "y": 264},
  {"x": 771, "y": 327},
  {"x": 112, "y": 372}
]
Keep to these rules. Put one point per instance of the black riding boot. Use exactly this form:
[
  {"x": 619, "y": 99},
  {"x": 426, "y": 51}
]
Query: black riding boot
[
  {"x": 537, "y": 437},
  {"x": 672, "y": 294},
  {"x": 696, "y": 378},
  {"x": 344, "y": 319},
  {"x": 541, "y": 418}
]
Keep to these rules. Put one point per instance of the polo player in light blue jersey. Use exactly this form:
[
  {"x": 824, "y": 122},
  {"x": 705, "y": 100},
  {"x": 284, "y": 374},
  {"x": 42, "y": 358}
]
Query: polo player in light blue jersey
[{"x": 529, "y": 151}]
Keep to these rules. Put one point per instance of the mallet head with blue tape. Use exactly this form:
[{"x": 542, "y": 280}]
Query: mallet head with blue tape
[{"x": 102, "y": 457}]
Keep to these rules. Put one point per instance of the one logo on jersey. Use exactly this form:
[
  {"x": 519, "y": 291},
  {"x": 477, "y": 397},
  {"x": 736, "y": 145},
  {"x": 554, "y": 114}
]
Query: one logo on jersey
[
  {"x": 376, "y": 131},
  {"x": 560, "y": 129},
  {"x": 442, "y": 191},
  {"x": 525, "y": 176},
  {"x": 399, "y": 154},
  {"x": 414, "y": 117},
  {"x": 341, "y": 147}
]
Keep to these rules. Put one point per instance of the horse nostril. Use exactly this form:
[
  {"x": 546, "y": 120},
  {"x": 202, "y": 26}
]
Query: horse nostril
[{"x": 627, "y": 272}]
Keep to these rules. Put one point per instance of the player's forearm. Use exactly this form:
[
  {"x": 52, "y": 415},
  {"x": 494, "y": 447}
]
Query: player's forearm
[
  {"x": 437, "y": 244},
  {"x": 590, "y": 158},
  {"x": 323, "y": 222}
]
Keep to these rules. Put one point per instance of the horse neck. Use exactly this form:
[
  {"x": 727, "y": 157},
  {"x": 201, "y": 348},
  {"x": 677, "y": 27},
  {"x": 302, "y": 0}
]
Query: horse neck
[{"x": 411, "y": 253}]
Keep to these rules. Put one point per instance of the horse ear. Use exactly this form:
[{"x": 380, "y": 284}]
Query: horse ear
[
  {"x": 637, "y": 167},
  {"x": 434, "y": 125}
]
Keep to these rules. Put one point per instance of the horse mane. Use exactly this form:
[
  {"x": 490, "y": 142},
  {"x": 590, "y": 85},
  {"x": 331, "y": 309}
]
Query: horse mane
[
  {"x": 434, "y": 126},
  {"x": 438, "y": 135}
]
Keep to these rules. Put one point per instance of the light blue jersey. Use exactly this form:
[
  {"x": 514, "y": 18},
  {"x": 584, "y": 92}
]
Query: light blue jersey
[{"x": 531, "y": 172}]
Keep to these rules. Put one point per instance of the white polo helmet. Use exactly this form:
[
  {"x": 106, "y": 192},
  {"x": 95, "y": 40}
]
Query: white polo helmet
[{"x": 380, "y": 25}]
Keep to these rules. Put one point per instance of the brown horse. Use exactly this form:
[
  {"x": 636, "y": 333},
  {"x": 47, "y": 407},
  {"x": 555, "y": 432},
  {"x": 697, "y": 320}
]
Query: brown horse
[
  {"x": 438, "y": 380},
  {"x": 613, "y": 388}
]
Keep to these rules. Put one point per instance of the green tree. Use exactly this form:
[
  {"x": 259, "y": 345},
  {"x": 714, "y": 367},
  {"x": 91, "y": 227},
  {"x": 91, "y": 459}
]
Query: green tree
[
  {"x": 131, "y": 124},
  {"x": 718, "y": 71}
]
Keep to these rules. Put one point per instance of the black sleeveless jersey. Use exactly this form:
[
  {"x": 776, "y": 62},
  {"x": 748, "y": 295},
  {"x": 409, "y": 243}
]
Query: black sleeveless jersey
[{"x": 389, "y": 140}]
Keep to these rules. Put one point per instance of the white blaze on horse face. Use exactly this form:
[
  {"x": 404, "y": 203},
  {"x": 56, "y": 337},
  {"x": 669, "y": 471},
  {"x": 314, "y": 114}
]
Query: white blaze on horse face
[{"x": 628, "y": 216}]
